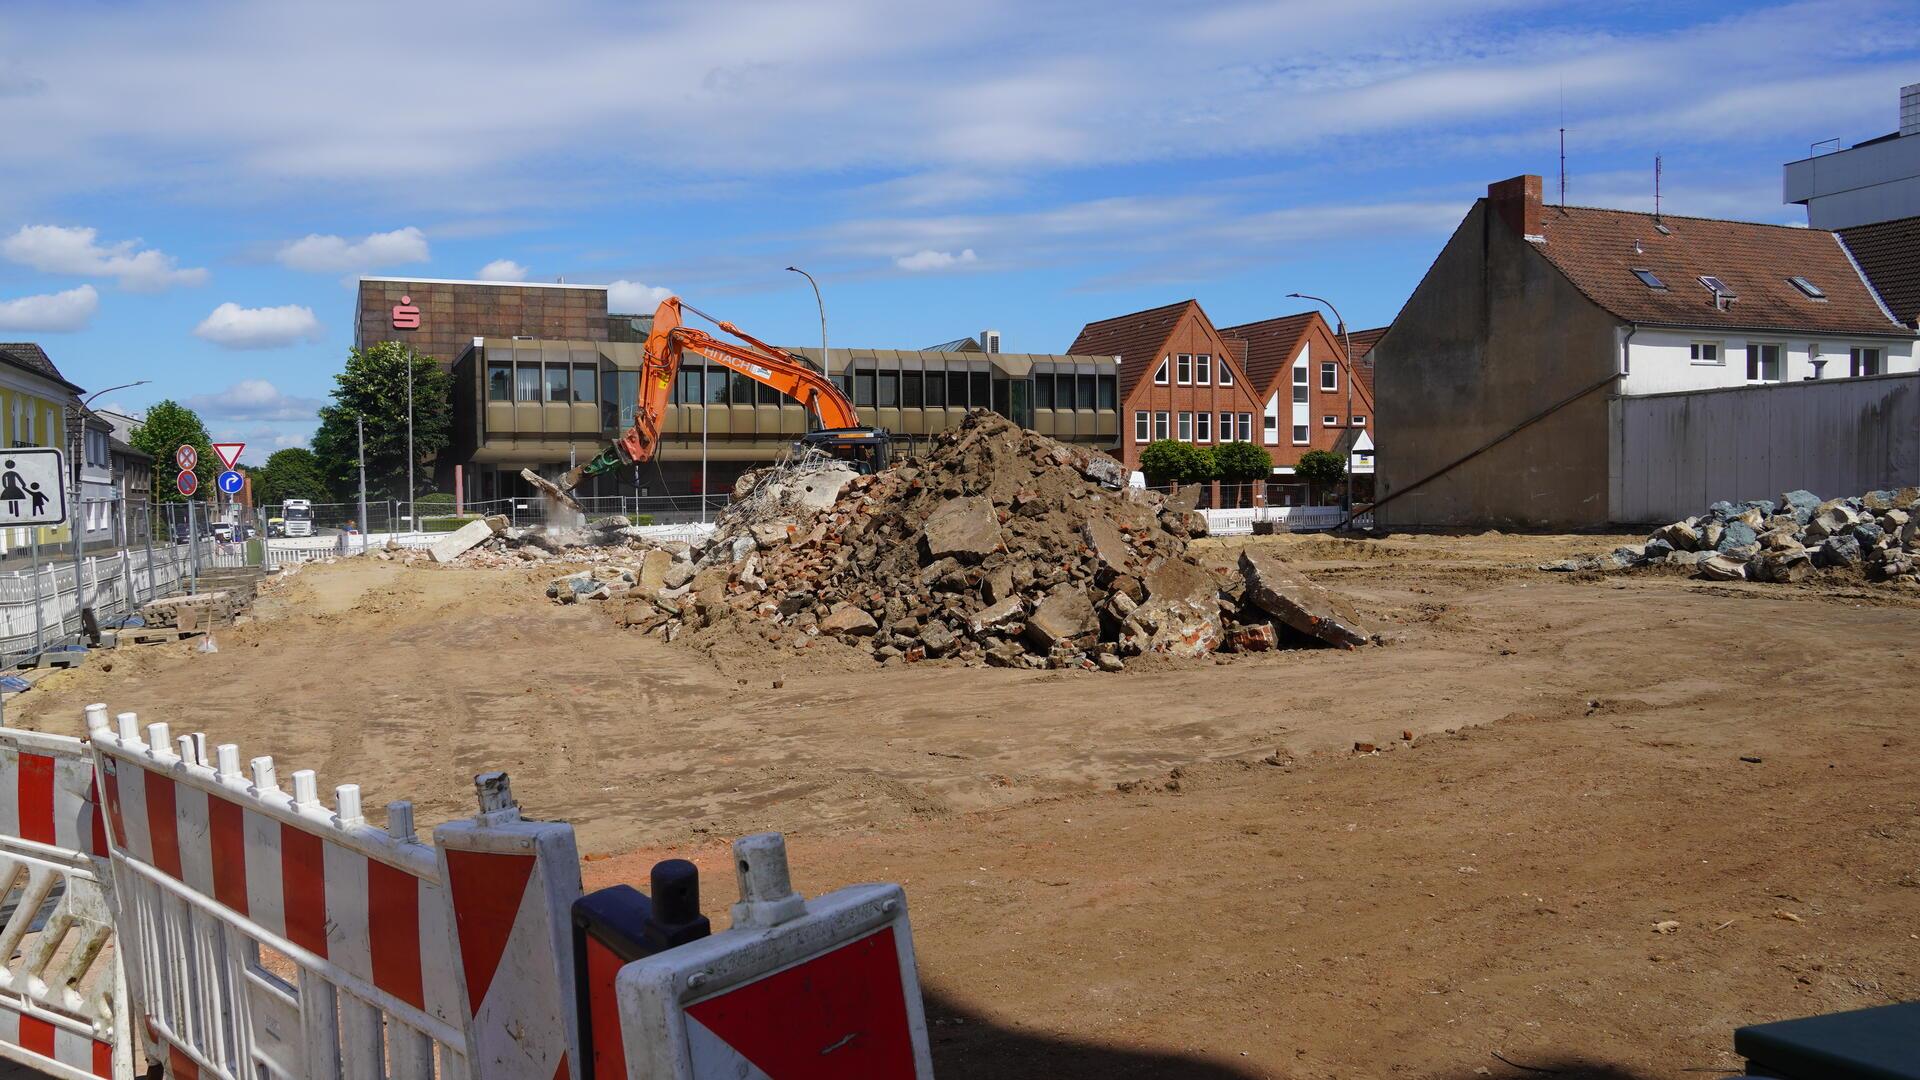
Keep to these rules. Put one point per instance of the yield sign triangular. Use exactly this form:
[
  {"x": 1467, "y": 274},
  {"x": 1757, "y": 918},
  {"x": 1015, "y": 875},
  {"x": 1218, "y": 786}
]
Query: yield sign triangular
[{"x": 229, "y": 452}]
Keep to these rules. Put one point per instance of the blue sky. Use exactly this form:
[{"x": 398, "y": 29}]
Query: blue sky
[{"x": 190, "y": 188}]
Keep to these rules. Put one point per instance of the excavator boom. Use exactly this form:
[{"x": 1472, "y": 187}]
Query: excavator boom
[{"x": 668, "y": 342}]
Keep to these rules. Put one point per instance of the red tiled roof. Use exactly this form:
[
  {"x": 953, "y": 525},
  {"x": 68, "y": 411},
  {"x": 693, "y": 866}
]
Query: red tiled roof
[
  {"x": 1595, "y": 250},
  {"x": 1134, "y": 338},
  {"x": 1889, "y": 253},
  {"x": 28, "y": 356},
  {"x": 1271, "y": 346},
  {"x": 1365, "y": 340}
]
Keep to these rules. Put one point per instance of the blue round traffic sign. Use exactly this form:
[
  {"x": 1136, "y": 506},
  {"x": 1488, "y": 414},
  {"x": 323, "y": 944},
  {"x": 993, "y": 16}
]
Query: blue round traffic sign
[
  {"x": 231, "y": 482},
  {"x": 187, "y": 482}
]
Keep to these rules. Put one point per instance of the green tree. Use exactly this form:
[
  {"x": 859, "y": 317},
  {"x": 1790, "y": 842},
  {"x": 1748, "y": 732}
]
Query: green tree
[
  {"x": 1321, "y": 468},
  {"x": 1170, "y": 460},
  {"x": 293, "y": 473},
  {"x": 374, "y": 387},
  {"x": 1242, "y": 461},
  {"x": 168, "y": 425}
]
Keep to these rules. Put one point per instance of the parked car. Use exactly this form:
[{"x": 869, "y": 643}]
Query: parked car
[{"x": 223, "y": 531}]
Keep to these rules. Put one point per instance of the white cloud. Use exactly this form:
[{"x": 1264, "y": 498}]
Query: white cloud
[
  {"x": 50, "y": 312},
  {"x": 328, "y": 254},
  {"x": 253, "y": 400},
  {"x": 631, "y": 297},
  {"x": 928, "y": 259},
  {"x": 503, "y": 270},
  {"x": 235, "y": 327},
  {"x": 60, "y": 249}
]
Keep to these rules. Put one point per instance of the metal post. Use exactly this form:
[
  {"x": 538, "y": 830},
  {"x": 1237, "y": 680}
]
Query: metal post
[
  {"x": 706, "y": 404},
  {"x": 193, "y": 552},
  {"x": 360, "y": 428},
  {"x": 39, "y": 632},
  {"x": 73, "y": 522},
  {"x": 152, "y": 595},
  {"x": 413, "y": 521},
  {"x": 1342, "y": 323},
  {"x": 825, "y": 365}
]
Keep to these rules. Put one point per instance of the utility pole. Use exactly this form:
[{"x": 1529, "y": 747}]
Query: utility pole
[
  {"x": 360, "y": 430},
  {"x": 1348, "y": 339},
  {"x": 77, "y": 450}
]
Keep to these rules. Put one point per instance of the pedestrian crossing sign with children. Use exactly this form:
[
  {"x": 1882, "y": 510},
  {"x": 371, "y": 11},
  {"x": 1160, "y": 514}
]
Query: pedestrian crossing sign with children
[{"x": 30, "y": 489}]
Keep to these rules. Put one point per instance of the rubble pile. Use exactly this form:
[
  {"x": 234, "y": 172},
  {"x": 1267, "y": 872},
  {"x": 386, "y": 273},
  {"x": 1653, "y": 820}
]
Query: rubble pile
[
  {"x": 1000, "y": 546},
  {"x": 1784, "y": 540},
  {"x": 502, "y": 546}
]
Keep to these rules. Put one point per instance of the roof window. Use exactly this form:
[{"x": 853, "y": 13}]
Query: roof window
[
  {"x": 1715, "y": 285},
  {"x": 1807, "y": 287},
  {"x": 1661, "y": 228},
  {"x": 1648, "y": 278}
]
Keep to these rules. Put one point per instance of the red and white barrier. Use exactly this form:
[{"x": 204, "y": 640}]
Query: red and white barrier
[
  {"x": 63, "y": 997},
  {"x": 275, "y": 936},
  {"x": 796, "y": 989},
  {"x": 513, "y": 883}
]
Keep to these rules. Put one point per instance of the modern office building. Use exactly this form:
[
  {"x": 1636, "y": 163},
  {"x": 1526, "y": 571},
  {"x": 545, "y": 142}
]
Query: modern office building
[
  {"x": 1871, "y": 181},
  {"x": 545, "y": 376}
]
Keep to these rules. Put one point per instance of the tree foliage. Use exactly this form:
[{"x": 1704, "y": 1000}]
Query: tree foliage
[
  {"x": 167, "y": 426},
  {"x": 1321, "y": 467},
  {"x": 1242, "y": 461},
  {"x": 293, "y": 473},
  {"x": 1170, "y": 460},
  {"x": 374, "y": 387}
]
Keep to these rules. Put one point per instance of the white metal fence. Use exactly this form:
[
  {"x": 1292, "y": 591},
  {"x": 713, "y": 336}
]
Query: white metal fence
[{"x": 1289, "y": 518}]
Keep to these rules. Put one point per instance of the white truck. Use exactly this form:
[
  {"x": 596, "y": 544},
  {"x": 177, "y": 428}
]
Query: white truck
[{"x": 299, "y": 517}]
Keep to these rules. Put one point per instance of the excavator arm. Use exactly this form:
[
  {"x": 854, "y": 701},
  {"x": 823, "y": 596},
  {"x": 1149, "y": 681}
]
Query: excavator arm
[{"x": 667, "y": 343}]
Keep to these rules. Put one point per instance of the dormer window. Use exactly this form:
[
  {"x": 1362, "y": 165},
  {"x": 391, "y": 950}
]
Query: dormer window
[
  {"x": 1809, "y": 288},
  {"x": 1648, "y": 278}
]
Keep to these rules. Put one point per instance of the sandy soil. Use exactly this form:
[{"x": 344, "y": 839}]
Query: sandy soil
[{"x": 1259, "y": 900}]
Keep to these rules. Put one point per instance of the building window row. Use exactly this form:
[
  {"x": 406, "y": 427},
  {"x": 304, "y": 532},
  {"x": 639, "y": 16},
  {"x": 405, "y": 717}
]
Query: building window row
[
  {"x": 1191, "y": 369},
  {"x": 1765, "y": 360},
  {"x": 531, "y": 382},
  {"x": 1075, "y": 391},
  {"x": 1191, "y": 426}
]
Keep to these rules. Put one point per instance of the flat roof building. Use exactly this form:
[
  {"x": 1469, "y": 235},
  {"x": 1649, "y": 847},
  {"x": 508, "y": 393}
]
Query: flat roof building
[
  {"x": 1876, "y": 180},
  {"x": 545, "y": 376}
]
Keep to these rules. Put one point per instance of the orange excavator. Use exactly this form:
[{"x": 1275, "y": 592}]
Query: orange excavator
[{"x": 838, "y": 431}]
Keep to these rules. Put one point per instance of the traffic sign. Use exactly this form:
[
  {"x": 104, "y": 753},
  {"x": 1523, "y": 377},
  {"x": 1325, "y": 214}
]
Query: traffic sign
[
  {"x": 187, "y": 482},
  {"x": 229, "y": 452},
  {"x": 186, "y": 457},
  {"x": 30, "y": 489},
  {"x": 231, "y": 482}
]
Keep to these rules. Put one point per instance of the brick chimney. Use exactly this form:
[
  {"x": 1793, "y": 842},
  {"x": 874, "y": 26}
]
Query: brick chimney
[{"x": 1517, "y": 201}]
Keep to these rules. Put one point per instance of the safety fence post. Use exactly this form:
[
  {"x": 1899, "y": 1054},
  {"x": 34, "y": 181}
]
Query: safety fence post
[{"x": 512, "y": 884}]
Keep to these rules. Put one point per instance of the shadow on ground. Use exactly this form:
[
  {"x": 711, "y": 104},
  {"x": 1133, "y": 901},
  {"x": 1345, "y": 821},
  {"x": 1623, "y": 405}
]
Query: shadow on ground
[{"x": 967, "y": 1044}]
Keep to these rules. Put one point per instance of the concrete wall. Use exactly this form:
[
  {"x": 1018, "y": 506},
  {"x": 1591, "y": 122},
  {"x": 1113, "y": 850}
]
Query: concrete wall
[
  {"x": 1662, "y": 359},
  {"x": 1675, "y": 454},
  {"x": 1493, "y": 335}
]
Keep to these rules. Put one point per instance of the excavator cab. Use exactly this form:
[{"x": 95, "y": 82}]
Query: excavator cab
[{"x": 867, "y": 449}]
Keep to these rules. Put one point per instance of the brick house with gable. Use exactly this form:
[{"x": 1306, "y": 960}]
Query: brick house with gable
[
  {"x": 1298, "y": 367},
  {"x": 1180, "y": 378}
]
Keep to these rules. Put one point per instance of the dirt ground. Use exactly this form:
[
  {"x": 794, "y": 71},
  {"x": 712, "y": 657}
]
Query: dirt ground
[{"x": 1189, "y": 871}]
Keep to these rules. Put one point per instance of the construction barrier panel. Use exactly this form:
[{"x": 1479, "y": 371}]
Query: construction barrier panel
[
  {"x": 795, "y": 989},
  {"x": 63, "y": 996},
  {"x": 166, "y": 902}
]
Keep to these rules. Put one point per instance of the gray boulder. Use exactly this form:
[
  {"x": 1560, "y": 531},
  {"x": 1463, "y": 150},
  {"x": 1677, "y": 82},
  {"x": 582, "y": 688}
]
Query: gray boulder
[
  {"x": 1736, "y": 534},
  {"x": 1800, "y": 503},
  {"x": 1839, "y": 551}
]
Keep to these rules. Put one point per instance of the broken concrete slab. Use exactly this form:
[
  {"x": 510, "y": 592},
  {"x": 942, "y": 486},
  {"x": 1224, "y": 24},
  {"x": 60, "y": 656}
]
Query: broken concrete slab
[
  {"x": 966, "y": 528},
  {"x": 1065, "y": 617},
  {"x": 1181, "y": 628},
  {"x": 460, "y": 541},
  {"x": 845, "y": 620},
  {"x": 997, "y": 616},
  {"x": 1290, "y": 597},
  {"x": 654, "y": 567}
]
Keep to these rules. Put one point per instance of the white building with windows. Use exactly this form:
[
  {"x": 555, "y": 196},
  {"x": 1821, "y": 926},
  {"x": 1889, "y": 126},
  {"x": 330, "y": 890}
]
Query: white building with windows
[{"x": 1506, "y": 377}]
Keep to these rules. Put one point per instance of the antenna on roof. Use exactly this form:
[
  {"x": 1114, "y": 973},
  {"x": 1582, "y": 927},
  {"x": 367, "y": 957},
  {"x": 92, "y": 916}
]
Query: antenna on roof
[
  {"x": 1656, "y": 189},
  {"x": 1563, "y": 142}
]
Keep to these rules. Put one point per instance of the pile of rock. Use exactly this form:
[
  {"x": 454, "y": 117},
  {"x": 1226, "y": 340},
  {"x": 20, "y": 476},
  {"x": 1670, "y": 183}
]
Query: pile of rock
[
  {"x": 498, "y": 545},
  {"x": 1000, "y": 546},
  {"x": 1785, "y": 540}
]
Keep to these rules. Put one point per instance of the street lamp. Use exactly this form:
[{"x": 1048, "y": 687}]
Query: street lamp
[
  {"x": 825, "y": 365},
  {"x": 77, "y": 446},
  {"x": 1348, "y": 339}
]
